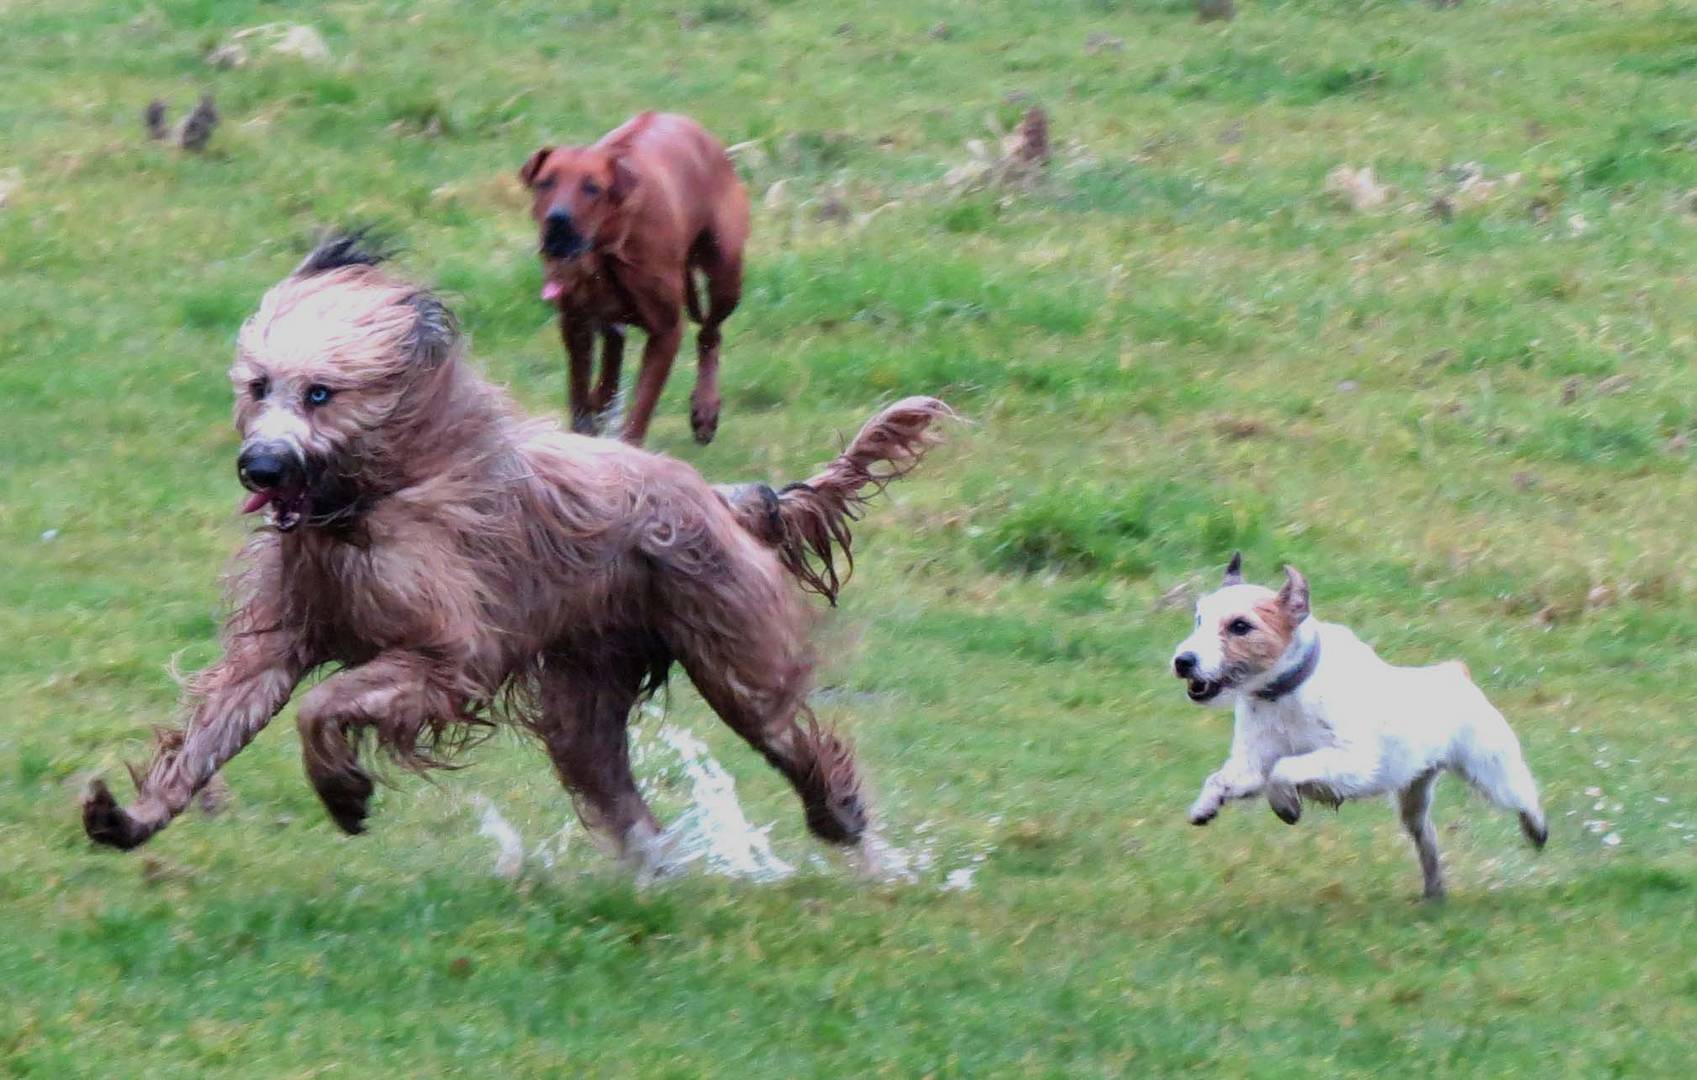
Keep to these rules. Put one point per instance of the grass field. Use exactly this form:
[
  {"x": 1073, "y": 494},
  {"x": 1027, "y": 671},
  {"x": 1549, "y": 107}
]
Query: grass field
[{"x": 1473, "y": 434}]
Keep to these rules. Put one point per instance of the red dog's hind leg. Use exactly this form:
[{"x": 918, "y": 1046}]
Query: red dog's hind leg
[{"x": 724, "y": 289}]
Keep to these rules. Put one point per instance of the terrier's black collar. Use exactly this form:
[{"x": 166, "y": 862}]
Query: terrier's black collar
[{"x": 1295, "y": 677}]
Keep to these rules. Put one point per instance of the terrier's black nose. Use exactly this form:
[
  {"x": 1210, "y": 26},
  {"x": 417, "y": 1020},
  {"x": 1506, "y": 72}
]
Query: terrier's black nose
[{"x": 1184, "y": 664}]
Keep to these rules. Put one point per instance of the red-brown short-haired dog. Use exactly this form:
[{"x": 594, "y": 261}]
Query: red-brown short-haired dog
[{"x": 625, "y": 225}]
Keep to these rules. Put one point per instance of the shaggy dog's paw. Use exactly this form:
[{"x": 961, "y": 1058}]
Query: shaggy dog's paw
[
  {"x": 1204, "y": 812},
  {"x": 1286, "y": 804},
  {"x": 106, "y": 822},
  {"x": 346, "y": 795},
  {"x": 586, "y": 423}
]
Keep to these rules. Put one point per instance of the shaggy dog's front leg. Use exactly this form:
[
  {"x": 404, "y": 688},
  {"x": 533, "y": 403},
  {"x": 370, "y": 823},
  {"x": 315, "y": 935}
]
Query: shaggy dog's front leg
[
  {"x": 232, "y": 702},
  {"x": 400, "y": 694}
]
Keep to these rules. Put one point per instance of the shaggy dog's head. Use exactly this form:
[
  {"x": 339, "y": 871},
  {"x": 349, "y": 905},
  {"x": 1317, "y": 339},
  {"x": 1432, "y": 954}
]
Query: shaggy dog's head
[
  {"x": 336, "y": 356},
  {"x": 1242, "y": 633}
]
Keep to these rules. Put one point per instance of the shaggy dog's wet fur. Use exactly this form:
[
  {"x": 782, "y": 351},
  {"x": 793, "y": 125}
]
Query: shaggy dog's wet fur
[{"x": 457, "y": 564}]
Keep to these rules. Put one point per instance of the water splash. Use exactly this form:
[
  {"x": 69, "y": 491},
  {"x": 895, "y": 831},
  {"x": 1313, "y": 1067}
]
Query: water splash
[
  {"x": 509, "y": 856},
  {"x": 713, "y": 830}
]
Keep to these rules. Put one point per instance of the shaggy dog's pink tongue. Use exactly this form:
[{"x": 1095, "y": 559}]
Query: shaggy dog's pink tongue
[
  {"x": 551, "y": 290},
  {"x": 255, "y": 501}
]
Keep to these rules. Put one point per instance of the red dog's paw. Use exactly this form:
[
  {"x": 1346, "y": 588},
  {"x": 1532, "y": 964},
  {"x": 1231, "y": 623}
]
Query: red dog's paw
[{"x": 704, "y": 422}]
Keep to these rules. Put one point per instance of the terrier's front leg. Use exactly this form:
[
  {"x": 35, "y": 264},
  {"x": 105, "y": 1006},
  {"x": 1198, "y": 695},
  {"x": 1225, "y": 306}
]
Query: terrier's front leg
[
  {"x": 1331, "y": 775},
  {"x": 1235, "y": 780}
]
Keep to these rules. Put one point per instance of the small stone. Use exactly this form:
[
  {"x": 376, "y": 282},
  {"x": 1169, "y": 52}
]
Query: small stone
[
  {"x": 49, "y": 536},
  {"x": 1570, "y": 390},
  {"x": 1612, "y": 840},
  {"x": 939, "y": 32},
  {"x": 1099, "y": 42},
  {"x": 1348, "y": 386},
  {"x": 1614, "y": 384}
]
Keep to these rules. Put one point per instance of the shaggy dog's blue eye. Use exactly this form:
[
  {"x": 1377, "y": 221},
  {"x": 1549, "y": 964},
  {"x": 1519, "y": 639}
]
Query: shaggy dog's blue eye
[
  {"x": 258, "y": 387},
  {"x": 318, "y": 395},
  {"x": 1239, "y": 627}
]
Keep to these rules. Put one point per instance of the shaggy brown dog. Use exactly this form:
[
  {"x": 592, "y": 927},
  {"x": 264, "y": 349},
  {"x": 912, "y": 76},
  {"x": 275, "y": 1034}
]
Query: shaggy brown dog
[
  {"x": 625, "y": 224},
  {"x": 459, "y": 564}
]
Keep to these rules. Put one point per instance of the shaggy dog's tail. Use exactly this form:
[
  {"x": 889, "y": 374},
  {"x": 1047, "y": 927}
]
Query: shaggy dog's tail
[{"x": 808, "y": 522}]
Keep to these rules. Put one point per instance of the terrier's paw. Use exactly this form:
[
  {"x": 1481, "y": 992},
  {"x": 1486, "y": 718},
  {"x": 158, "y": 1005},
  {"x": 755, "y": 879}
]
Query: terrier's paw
[
  {"x": 106, "y": 822},
  {"x": 1286, "y": 804}
]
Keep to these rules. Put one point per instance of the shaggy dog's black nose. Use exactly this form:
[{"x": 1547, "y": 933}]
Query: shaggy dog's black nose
[
  {"x": 560, "y": 237},
  {"x": 265, "y": 466},
  {"x": 1184, "y": 664}
]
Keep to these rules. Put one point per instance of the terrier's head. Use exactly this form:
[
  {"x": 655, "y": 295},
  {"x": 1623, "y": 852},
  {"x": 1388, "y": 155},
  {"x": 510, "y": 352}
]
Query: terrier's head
[{"x": 1242, "y": 632}]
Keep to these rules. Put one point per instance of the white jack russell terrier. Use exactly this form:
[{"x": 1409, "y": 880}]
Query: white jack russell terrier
[{"x": 1321, "y": 716}]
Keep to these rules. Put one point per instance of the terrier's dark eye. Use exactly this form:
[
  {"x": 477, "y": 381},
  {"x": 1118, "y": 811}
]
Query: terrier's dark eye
[
  {"x": 318, "y": 394},
  {"x": 258, "y": 388},
  {"x": 591, "y": 188},
  {"x": 1239, "y": 627},
  {"x": 545, "y": 184}
]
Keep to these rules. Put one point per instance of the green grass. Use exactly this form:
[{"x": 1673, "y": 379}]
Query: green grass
[{"x": 1472, "y": 435}]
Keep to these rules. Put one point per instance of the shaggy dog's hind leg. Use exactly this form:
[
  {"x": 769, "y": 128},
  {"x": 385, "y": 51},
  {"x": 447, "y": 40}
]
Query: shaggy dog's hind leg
[
  {"x": 396, "y": 695},
  {"x": 585, "y": 726},
  {"x": 818, "y": 763}
]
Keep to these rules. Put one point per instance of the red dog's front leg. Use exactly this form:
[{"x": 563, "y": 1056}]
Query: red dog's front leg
[
  {"x": 233, "y": 700},
  {"x": 657, "y": 357},
  {"x": 580, "y": 351}
]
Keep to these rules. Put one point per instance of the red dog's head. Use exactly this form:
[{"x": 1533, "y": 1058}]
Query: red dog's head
[{"x": 575, "y": 192}]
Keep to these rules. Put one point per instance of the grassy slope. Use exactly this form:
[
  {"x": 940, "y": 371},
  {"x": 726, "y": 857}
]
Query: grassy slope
[{"x": 1176, "y": 348}]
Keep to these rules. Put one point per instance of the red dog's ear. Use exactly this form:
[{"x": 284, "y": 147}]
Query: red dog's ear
[
  {"x": 527, "y": 175},
  {"x": 624, "y": 180}
]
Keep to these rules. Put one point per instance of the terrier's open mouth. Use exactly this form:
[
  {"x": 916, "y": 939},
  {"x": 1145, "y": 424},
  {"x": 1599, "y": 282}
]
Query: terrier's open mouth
[
  {"x": 1202, "y": 689},
  {"x": 288, "y": 508}
]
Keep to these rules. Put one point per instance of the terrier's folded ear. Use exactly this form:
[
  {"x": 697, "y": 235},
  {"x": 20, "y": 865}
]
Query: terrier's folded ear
[
  {"x": 1234, "y": 571},
  {"x": 1294, "y": 596}
]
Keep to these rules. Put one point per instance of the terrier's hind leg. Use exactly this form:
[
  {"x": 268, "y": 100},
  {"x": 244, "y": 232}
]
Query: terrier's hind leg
[
  {"x": 1415, "y": 802},
  {"x": 1500, "y": 774}
]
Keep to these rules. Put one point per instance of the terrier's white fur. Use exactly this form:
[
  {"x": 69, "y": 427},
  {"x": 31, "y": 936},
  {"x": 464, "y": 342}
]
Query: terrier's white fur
[{"x": 1321, "y": 716}]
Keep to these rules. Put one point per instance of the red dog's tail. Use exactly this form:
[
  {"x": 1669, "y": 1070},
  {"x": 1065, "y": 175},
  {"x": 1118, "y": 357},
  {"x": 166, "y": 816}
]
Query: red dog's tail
[{"x": 808, "y": 522}]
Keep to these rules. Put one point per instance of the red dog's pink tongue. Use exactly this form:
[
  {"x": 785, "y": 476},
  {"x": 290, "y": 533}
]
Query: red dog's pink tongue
[
  {"x": 551, "y": 290},
  {"x": 255, "y": 501}
]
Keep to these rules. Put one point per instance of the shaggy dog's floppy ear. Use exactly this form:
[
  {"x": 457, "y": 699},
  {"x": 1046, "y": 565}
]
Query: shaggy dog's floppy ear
[
  {"x": 624, "y": 180},
  {"x": 1294, "y": 596},
  {"x": 435, "y": 333},
  {"x": 1234, "y": 571},
  {"x": 527, "y": 174}
]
